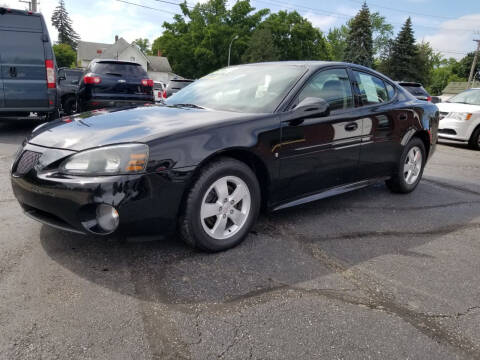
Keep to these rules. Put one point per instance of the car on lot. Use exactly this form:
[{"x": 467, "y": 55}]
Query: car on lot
[
  {"x": 416, "y": 89},
  {"x": 114, "y": 83},
  {"x": 460, "y": 118},
  {"x": 159, "y": 90},
  {"x": 27, "y": 63},
  {"x": 68, "y": 82},
  {"x": 176, "y": 85},
  {"x": 269, "y": 135}
]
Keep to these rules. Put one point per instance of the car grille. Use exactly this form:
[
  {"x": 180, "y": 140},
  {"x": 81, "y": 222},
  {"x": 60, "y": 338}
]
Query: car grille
[
  {"x": 27, "y": 161},
  {"x": 443, "y": 114}
]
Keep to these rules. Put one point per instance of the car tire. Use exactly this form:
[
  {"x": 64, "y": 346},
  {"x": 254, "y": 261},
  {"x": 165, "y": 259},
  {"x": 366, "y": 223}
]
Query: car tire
[
  {"x": 409, "y": 169},
  {"x": 221, "y": 207},
  {"x": 474, "y": 141},
  {"x": 69, "y": 106}
]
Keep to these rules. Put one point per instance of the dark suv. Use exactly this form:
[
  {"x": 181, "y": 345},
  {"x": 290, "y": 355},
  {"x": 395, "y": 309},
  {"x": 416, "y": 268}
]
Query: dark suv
[
  {"x": 68, "y": 80},
  {"x": 416, "y": 89},
  {"x": 114, "y": 83},
  {"x": 27, "y": 63}
]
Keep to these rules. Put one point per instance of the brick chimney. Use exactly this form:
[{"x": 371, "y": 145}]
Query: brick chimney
[
  {"x": 116, "y": 38},
  {"x": 159, "y": 53}
]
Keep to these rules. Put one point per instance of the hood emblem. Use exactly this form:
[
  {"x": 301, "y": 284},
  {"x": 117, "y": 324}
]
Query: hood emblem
[{"x": 122, "y": 81}]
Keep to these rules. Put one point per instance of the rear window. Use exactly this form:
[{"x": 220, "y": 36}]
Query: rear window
[
  {"x": 415, "y": 90},
  {"x": 21, "y": 22},
  {"x": 178, "y": 84},
  {"x": 121, "y": 69}
]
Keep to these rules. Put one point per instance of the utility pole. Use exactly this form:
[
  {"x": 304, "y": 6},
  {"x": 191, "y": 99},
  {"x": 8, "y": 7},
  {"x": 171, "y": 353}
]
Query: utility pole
[
  {"x": 471, "y": 78},
  {"x": 32, "y": 5}
]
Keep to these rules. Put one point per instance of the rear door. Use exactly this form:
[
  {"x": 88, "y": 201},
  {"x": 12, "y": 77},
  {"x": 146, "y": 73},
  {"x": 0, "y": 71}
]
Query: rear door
[
  {"x": 23, "y": 62},
  {"x": 2, "y": 102}
]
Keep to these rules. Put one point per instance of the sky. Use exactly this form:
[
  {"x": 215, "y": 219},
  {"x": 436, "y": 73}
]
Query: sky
[{"x": 449, "y": 25}]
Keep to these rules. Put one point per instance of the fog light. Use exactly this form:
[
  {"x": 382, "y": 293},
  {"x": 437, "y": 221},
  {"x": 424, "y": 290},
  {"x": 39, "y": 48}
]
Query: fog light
[{"x": 107, "y": 217}]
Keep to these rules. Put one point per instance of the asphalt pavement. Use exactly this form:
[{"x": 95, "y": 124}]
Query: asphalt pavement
[{"x": 364, "y": 275}]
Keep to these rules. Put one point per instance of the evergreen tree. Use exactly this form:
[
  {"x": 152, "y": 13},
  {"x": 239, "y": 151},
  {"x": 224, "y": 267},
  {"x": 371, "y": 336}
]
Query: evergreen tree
[
  {"x": 61, "y": 20},
  {"x": 404, "y": 57},
  {"x": 359, "y": 47}
]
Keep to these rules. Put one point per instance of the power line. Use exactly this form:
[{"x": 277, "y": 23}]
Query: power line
[
  {"x": 403, "y": 11},
  {"x": 147, "y": 7},
  {"x": 347, "y": 16}
]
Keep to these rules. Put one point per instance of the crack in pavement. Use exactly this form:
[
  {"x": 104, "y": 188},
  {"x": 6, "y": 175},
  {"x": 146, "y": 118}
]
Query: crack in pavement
[
  {"x": 407, "y": 208},
  {"x": 456, "y": 315}
]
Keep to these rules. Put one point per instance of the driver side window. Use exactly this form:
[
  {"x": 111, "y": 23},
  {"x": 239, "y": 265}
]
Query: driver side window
[{"x": 331, "y": 85}]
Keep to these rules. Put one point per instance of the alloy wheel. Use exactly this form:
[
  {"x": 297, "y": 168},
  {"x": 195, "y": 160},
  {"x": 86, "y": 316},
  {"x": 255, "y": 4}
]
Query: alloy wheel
[
  {"x": 225, "y": 207},
  {"x": 413, "y": 165}
]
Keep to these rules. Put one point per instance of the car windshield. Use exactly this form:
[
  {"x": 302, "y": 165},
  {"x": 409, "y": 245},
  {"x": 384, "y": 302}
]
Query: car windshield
[
  {"x": 471, "y": 97},
  {"x": 247, "y": 88}
]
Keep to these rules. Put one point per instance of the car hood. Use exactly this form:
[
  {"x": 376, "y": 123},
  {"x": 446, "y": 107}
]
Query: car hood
[
  {"x": 456, "y": 107},
  {"x": 113, "y": 126}
]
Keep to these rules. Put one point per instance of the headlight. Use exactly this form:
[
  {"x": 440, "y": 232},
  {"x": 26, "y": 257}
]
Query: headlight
[
  {"x": 461, "y": 116},
  {"x": 108, "y": 160}
]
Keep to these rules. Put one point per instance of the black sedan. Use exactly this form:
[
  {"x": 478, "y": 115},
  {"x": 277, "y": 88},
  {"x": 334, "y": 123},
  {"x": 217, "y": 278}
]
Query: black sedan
[{"x": 269, "y": 135}]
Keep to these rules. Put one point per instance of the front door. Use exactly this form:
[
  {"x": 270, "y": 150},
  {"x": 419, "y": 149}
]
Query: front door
[{"x": 317, "y": 153}]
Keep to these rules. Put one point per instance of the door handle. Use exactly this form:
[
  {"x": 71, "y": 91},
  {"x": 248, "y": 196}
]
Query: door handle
[
  {"x": 403, "y": 117},
  {"x": 13, "y": 71},
  {"x": 351, "y": 127}
]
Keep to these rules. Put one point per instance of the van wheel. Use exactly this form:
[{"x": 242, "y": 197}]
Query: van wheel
[
  {"x": 221, "y": 207},
  {"x": 70, "y": 106},
  {"x": 474, "y": 141},
  {"x": 410, "y": 168},
  {"x": 53, "y": 115}
]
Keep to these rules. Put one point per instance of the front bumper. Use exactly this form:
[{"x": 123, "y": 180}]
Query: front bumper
[
  {"x": 146, "y": 203},
  {"x": 460, "y": 130}
]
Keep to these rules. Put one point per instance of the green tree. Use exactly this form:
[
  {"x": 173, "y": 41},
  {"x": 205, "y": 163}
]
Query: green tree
[
  {"x": 61, "y": 21},
  {"x": 143, "y": 44},
  {"x": 465, "y": 64},
  {"x": 261, "y": 47},
  {"x": 359, "y": 44},
  {"x": 404, "y": 56},
  {"x": 65, "y": 55},
  {"x": 196, "y": 41},
  {"x": 295, "y": 37},
  {"x": 382, "y": 33},
  {"x": 337, "y": 39}
]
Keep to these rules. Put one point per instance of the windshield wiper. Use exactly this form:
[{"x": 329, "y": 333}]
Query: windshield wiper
[
  {"x": 193, "y": 106},
  {"x": 115, "y": 74}
]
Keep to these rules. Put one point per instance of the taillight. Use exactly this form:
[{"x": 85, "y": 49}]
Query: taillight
[
  {"x": 92, "y": 79},
  {"x": 50, "y": 74},
  {"x": 164, "y": 95},
  {"x": 429, "y": 98},
  {"x": 147, "y": 82}
]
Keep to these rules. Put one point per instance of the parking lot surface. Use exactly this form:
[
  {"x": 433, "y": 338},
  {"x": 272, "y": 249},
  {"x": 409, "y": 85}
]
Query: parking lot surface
[{"x": 365, "y": 275}]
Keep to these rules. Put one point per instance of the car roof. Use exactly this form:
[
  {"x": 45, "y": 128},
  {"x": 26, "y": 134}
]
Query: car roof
[
  {"x": 115, "y": 61},
  {"x": 317, "y": 64},
  {"x": 408, "y": 83}
]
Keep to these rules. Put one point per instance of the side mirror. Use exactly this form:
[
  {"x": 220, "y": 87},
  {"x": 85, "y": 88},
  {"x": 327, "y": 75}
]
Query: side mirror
[
  {"x": 312, "y": 106},
  {"x": 61, "y": 78}
]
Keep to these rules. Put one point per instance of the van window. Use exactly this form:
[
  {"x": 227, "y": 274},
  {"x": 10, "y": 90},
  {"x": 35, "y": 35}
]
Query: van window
[{"x": 21, "y": 22}]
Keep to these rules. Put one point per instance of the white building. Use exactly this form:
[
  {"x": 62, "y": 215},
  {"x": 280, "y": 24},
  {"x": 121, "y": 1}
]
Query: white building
[{"x": 157, "y": 67}]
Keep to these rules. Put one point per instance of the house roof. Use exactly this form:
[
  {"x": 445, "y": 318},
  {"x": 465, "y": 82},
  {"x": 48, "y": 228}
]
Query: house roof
[
  {"x": 90, "y": 50},
  {"x": 159, "y": 64},
  {"x": 455, "y": 87},
  {"x": 114, "y": 50}
]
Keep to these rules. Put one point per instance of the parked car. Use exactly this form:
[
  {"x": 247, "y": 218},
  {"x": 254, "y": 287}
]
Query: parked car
[
  {"x": 460, "y": 118},
  {"x": 278, "y": 134},
  {"x": 416, "y": 89},
  {"x": 114, "y": 83},
  {"x": 68, "y": 82},
  {"x": 159, "y": 90},
  {"x": 27, "y": 63},
  {"x": 176, "y": 85}
]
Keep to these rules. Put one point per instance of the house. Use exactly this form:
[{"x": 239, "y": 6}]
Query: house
[
  {"x": 455, "y": 87},
  {"x": 157, "y": 67}
]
